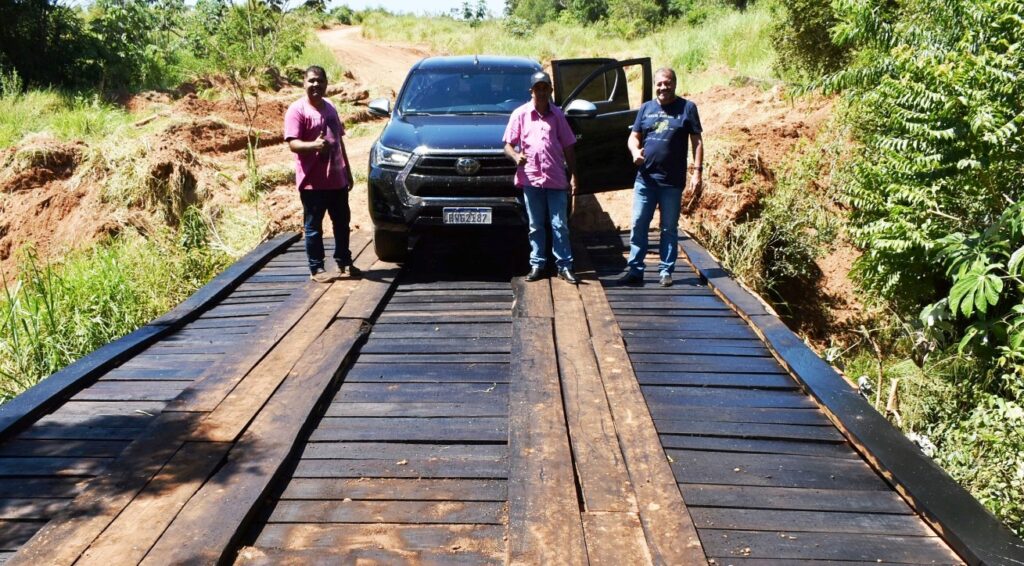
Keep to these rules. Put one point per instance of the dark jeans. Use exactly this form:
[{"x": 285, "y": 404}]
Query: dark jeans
[{"x": 314, "y": 205}]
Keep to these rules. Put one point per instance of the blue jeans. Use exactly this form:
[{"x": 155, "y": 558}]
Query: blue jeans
[
  {"x": 668, "y": 200},
  {"x": 314, "y": 205},
  {"x": 543, "y": 206}
]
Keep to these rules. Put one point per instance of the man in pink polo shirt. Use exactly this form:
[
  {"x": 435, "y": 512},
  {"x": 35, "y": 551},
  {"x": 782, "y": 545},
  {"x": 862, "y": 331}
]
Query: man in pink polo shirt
[
  {"x": 313, "y": 131},
  {"x": 539, "y": 140}
]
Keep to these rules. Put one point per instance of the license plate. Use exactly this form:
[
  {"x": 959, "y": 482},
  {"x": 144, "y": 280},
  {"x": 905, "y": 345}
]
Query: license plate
[{"x": 467, "y": 215}]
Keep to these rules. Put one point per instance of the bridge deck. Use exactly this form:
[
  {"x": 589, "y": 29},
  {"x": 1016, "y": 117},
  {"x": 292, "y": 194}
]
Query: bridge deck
[{"x": 450, "y": 413}]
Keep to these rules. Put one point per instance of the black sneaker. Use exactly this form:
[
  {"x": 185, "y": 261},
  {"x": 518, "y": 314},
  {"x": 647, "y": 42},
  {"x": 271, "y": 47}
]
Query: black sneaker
[
  {"x": 665, "y": 280},
  {"x": 567, "y": 274},
  {"x": 535, "y": 274},
  {"x": 631, "y": 278}
]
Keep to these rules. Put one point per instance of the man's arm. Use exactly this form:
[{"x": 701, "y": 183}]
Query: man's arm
[
  {"x": 319, "y": 144},
  {"x": 514, "y": 155},
  {"x": 570, "y": 163},
  {"x": 348, "y": 166},
  {"x": 697, "y": 177},
  {"x": 634, "y": 144}
]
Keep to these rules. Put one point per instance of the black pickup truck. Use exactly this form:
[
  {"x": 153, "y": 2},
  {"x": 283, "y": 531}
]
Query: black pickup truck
[{"x": 439, "y": 161}]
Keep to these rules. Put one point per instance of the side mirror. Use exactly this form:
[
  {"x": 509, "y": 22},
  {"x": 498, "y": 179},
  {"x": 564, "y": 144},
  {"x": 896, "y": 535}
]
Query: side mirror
[
  {"x": 580, "y": 109},
  {"x": 380, "y": 107}
]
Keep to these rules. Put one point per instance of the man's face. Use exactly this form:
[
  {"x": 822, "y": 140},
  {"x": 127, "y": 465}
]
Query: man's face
[
  {"x": 664, "y": 88},
  {"x": 315, "y": 85},
  {"x": 541, "y": 91}
]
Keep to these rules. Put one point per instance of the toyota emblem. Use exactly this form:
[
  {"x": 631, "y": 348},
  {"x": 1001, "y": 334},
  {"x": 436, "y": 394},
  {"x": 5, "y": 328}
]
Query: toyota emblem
[{"x": 467, "y": 166}]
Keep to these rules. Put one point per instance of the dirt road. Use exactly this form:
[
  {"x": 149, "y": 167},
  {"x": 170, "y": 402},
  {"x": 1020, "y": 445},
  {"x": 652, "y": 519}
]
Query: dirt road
[{"x": 379, "y": 66}]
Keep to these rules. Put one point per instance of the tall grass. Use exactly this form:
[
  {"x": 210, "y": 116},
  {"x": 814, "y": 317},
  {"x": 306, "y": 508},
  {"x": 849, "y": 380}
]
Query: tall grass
[
  {"x": 727, "y": 44},
  {"x": 51, "y": 315},
  {"x": 314, "y": 52},
  {"x": 85, "y": 117}
]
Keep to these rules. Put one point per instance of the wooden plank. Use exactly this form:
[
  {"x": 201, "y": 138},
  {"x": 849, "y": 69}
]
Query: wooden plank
[
  {"x": 25, "y": 508},
  {"x": 130, "y": 391},
  {"x": 421, "y": 392},
  {"x": 13, "y": 534},
  {"x": 375, "y": 284},
  {"x": 433, "y": 317},
  {"x": 485, "y": 468},
  {"x": 405, "y": 512},
  {"x": 746, "y": 430},
  {"x": 401, "y": 450},
  {"x": 27, "y": 467},
  {"x": 828, "y": 546},
  {"x": 808, "y": 521},
  {"x": 435, "y": 358},
  {"x": 404, "y": 537},
  {"x": 438, "y": 372},
  {"x": 725, "y": 397},
  {"x": 429, "y": 330},
  {"x": 971, "y": 530},
  {"x": 398, "y": 429},
  {"x": 436, "y": 345},
  {"x": 454, "y": 555},
  {"x": 740, "y": 380},
  {"x": 259, "y": 455},
  {"x": 599, "y": 464},
  {"x": 615, "y": 539},
  {"x": 41, "y": 487},
  {"x": 758, "y": 445},
  {"x": 700, "y": 347},
  {"x": 451, "y": 307},
  {"x": 746, "y": 415},
  {"x": 544, "y": 524},
  {"x": 130, "y": 536},
  {"x": 671, "y": 535},
  {"x": 757, "y": 497},
  {"x": 65, "y": 448},
  {"x": 532, "y": 299},
  {"x": 772, "y": 470},
  {"x": 71, "y": 532},
  {"x": 491, "y": 407},
  {"x": 418, "y": 489}
]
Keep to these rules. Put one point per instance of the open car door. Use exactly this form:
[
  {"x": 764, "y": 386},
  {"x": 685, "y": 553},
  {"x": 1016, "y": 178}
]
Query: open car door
[{"x": 595, "y": 95}]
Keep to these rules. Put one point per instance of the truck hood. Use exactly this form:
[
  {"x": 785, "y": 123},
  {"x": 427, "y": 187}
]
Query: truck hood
[{"x": 406, "y": 133}]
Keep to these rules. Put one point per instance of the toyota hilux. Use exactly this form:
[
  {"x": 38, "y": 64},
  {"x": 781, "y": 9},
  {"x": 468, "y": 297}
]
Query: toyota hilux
[{"x": 439, "y": 160}]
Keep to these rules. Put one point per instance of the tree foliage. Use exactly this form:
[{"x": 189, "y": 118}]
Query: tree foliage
[{"x": 935, "y": 96}]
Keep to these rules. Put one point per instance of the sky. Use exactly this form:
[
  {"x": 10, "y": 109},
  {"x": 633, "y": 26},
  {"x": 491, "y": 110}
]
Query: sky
[{"x": 496, "y": 7}]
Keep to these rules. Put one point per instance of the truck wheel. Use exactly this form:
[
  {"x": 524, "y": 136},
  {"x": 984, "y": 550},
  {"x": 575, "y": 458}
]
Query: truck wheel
[{"x": 391, "y": 246}]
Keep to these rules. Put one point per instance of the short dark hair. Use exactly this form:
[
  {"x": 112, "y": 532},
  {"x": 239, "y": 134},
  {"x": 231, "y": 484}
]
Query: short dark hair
[
  {"x": 666, "y": 71},
  {"x": 316, "y": 69}
]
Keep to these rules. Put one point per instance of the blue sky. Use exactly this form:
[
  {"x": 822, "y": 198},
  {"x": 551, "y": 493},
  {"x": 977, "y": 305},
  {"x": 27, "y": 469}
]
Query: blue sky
[{"x": 496, "y": 7}]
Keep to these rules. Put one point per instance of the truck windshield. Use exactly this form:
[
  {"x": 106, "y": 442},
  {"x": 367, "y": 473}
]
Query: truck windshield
[{"x": 460, "y": 92}]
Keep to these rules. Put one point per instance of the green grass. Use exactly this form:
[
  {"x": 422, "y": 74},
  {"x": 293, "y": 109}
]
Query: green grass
[
  {"x": 51, "y": 315},
  {"x": 728, "y": 44},
  {"x": 83, "y": 117}
]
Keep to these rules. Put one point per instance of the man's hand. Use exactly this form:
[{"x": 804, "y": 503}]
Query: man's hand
[
  {"x": 638, "y": 157},
  {"x": 320, "y": 144},
  {"x": 573, "y": 185},
  {"x": 696, "y": 188},
  {"x": 520, "y": 158}
]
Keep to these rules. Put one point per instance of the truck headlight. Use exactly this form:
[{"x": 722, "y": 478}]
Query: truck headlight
[{"x": 387, "y": 157}]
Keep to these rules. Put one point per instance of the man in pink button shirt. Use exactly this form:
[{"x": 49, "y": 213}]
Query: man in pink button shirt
[
  {"x": 313, "y": 131},
  {"x": 539, "y": 140}
]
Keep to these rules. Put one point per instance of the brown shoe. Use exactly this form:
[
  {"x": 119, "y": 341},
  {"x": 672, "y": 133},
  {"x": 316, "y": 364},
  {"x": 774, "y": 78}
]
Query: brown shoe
[{"x": 321, "y": 276}]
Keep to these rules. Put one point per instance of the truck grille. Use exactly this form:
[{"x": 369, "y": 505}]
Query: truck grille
[{"x": 444, "y": 166}]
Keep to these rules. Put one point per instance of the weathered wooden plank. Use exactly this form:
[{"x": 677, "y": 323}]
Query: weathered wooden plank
[
  {"x": 454, "y": 555},
  {"x": 532, "y": 299},
  {"x": 711, "y": 363},
  {"x": 701, "y": 347},
  {"x": 671, "y": 535},
  {"x": 490, "y": 407},
  {"x": 463, "y": 317},
  {"x": 405, "y": 512},
  {"x": 430, "y": 330},
  {"x": 130, "y": 536},
  {"x": 744, "y": 415},
  {"x": 258, "y": 456},
  {"x": 436, "y": 345},
  {"x": 416, "y": 489},
  {"x": 772, "y": 470},
  {"x": 368, "y": 297},
  {"x": 450, "y": 307},
  {"x": 82, "y": 432},
  {"x": 13, "y": 534},
  {"x": 602, "y": 473},
  {"x": 28, "y": 467},
  {"x": 25, "y": 508},
  {"x": 544, "y": 524},
  {"x": 131, "y": 391},
  {"x": 64, "y": 448},
  {"x": 758, "y": 497},
  {"x": 668, "y": 395},
  {"x": 439, "y": 372},
  {"x": 403, "y": 537},
  {"x": 740, "y": 380},
  {"x": 615, "y": 539},
  {"x": 781, "y": 544},
  {"x": 747, "y": 430},
  {"x": 41, "y": 487},
  {"x": 421, "y": 392},
  {"x": 716, "y": 444},
  {"x": 398, "y": 429},
  {"x": 808, "y": 521},
  {"x": 488, "y": 468},
  {"x": 435, "y": 358},
  {"x": 401, "y": 450}
]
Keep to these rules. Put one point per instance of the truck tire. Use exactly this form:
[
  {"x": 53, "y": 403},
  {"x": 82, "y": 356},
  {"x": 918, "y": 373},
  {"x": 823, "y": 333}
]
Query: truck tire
[{"x": 391, "y": 246}]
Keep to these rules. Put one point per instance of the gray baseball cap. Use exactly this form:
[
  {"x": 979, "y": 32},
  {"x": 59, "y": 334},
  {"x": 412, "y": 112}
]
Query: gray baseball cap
[{"x": 539, "y": 77}]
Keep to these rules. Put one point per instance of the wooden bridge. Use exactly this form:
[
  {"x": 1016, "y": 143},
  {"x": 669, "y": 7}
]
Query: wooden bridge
[{"x": 446, "y": 412}]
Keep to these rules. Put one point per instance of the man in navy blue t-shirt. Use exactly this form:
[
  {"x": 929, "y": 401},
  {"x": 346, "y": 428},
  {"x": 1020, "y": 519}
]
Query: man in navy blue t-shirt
[{"x": 663, "y": 130}]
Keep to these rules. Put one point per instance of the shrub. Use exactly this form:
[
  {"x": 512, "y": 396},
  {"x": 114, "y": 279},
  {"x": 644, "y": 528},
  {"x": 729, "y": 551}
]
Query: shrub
[{"x": 802, "y": 38}]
